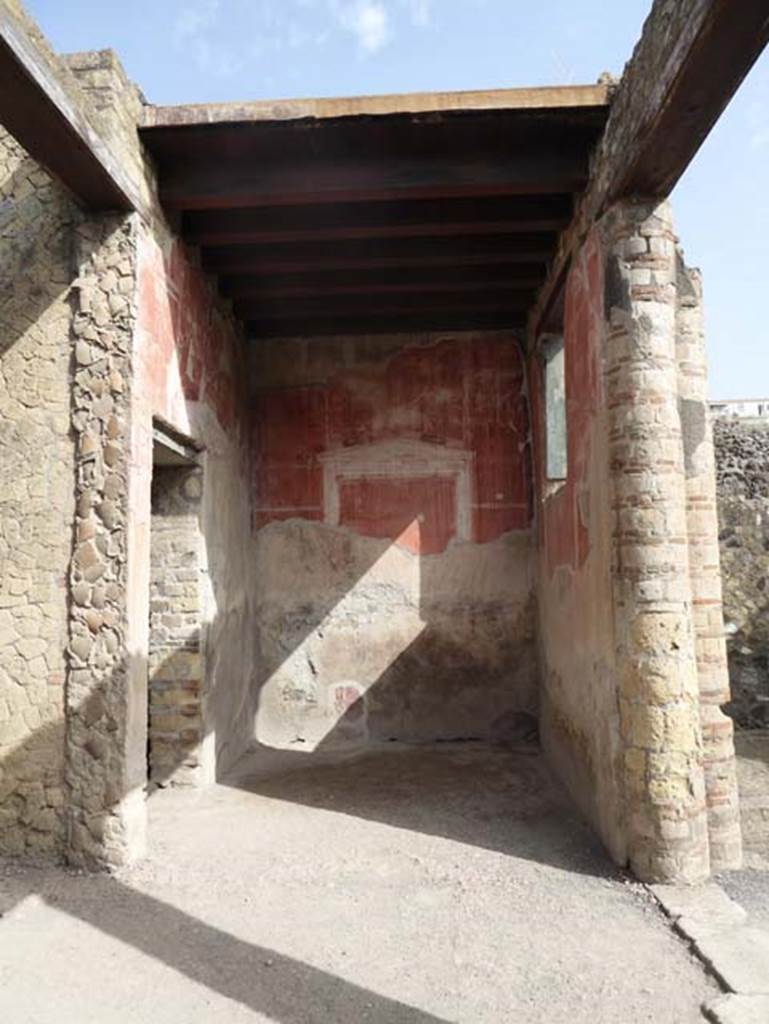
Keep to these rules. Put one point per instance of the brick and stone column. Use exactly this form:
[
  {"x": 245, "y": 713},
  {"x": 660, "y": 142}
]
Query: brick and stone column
[
  {"x": 705, "y": 574},
  {"x": 658, "y": 691}
]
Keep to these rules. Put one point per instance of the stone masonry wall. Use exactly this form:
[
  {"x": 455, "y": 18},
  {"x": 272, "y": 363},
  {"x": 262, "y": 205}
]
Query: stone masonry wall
[
  {"x": 742, "y": 459},
  {"x": 105, "y": 713},
  {"x": 36, "y": 498}
]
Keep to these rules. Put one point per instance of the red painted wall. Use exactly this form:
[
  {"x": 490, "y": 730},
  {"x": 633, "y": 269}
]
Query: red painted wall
[
  {"x": 418, "y": 512},
  {"x": 562, "y": 532},
  {"x": 190, "y": 348},
  {"x": 465, "y": 393}
]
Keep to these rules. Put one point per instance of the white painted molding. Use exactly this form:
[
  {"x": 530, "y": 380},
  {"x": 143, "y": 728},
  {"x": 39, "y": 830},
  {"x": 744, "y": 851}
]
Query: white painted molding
[{"x": 399, "y": 459}]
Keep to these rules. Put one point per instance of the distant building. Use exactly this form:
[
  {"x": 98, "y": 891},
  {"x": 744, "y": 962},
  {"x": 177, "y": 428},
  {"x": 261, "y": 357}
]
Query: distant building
[{"x": 741, "y": 408}]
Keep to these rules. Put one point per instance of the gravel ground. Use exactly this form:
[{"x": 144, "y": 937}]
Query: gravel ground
[
  {"x": 753, "y": 778},
  {"x": 750, "y": 887},
  {"x": 410, "y": 886}
]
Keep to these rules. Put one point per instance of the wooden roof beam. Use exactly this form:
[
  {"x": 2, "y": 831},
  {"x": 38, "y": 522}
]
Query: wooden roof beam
[
  {"x": 689, "y": 62},
  {"x": 488, "y": 300},
  {"x": 223, "y": 185},
  {"x": 42, "y": 107},
  {"x": 502, "y": 215},
  {"x": 374, "y": 253},
  {"x": 331, "y": 284}
]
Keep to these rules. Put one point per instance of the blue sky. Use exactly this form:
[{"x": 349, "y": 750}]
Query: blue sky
[{"x": 186, "y": 51}]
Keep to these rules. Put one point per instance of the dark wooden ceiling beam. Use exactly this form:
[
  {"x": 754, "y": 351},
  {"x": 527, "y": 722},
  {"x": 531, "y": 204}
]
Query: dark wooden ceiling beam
[
  {"x": 426, "y": 218},
  {"x": 309, "y": 327},
  {"x": 374, "y": 253},
  {"x": 383, "y": 282},
  {"x": 44, "y": 111},
  {"x": 491, "y": 300},
  {"x": 227, "y": 185}
]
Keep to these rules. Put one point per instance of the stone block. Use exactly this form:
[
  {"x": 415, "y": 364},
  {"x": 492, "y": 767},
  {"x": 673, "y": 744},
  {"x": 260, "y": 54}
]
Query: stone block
[{"x": 738, "y": 1009}]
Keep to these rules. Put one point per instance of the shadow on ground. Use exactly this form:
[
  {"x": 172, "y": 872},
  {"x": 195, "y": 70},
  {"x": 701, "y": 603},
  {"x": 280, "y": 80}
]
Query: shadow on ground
[
  {"x": 280, "y": 988},
  {"x": 469, "y": 792}
]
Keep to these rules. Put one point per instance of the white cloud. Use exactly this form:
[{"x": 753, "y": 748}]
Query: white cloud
[
  {"x": 419, "y": 11},
  {"x": 203, "y": 29},
  {"x": 195, "y": 19},
  {"x": 368, "y": 21},
  {"x": 193, "y": 32}
]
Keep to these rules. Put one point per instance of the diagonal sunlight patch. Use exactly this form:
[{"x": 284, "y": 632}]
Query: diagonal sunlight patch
[{"x": 296, "y": 712}]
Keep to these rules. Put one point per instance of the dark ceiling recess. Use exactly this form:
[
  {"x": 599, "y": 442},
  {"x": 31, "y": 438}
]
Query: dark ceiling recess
[{"x": 368, "y": 223}]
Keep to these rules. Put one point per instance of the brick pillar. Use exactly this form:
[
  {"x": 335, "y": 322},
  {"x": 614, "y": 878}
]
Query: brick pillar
[
  {"x": 178, "y": 751},
  {"x": 657, "y": 683},
  {"x": 705, "y": 574}
]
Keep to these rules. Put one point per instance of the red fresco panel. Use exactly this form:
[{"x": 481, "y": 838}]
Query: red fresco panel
[
  {"x": 466, "y": 393},
  {"x": 188, "y": 351},
  {"x": 490, "y": 523},
  {"x": 290, "y": 487},
  {"x": 418, "y": 513},
  {"x": 291, "y": 424}
]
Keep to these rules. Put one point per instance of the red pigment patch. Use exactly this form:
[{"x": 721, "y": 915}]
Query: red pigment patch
[
  {"x": 463, "y": 393},
  {"x": 417, "y": 513}
]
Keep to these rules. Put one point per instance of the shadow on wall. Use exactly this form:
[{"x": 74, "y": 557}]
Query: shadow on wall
[
  {"x": 362, "y": 640},
  {"x": 386, "y": 610}
]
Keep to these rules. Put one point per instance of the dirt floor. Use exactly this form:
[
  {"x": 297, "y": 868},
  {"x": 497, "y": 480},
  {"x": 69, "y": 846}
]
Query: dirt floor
[{"x": 440, "y": 884}]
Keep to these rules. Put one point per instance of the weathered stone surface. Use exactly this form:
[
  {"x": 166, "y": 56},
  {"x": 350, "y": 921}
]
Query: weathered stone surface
[
  {"x": 740, "y": 956},
  {"x": 359, "y": 640},
  {"x": 36, "y": 498},
  {"x": 700, "y": 909},
  {"x": 104, "y": 830},
  {"x": 742, "y": 453},
  {"x": 742, "y": 1009},
  {"x": 704, "y": 573}
]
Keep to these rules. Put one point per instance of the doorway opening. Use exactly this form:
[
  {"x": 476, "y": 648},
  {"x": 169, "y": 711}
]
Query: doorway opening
[{"x": 177, "y": 745}]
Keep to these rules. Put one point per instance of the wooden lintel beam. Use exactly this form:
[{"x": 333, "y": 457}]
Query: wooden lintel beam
[
  {"x": 50, "y": 120},
  {"x": 719, "y": 42},
  {"x": 222, "y": 185},
  {"x": 561, "y": 97},
  {"x": 690, "y": 60}
]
